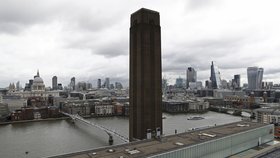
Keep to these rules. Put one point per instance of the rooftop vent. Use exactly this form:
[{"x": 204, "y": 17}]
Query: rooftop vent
[
  {"x": 111, "y": 150},
  {"x": 208, "y": 135},
  {"x": 242, "y": 125},
  {"x": 132, "y": 152},
  {"x": 179, "y": 143}
]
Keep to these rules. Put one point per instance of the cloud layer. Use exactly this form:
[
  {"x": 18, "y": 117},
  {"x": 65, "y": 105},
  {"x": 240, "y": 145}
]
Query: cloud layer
[{"x": 90, "y": 39}]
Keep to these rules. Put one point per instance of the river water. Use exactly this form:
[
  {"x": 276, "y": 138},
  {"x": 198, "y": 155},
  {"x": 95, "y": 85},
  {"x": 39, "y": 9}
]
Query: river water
[{"x": 48, "y": 138}]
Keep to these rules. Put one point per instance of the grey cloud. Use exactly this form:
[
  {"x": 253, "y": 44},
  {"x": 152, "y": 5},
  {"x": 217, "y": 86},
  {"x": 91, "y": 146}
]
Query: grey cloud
[
  {"x": 222, "y": 42},
  {"x": 10, "y": 28},
  {"x": 111, "y": 51},
  {"x": 233, "y": 65},
  {"x": 199, "y": 4},
  {"x": 97, "y": 21},
  {"x": 92, "y": 24},
  {"x": 271, "y": 71},
  {"x": 170, "y": 67},
  {"x": 18, "y": 15},
  {"x": 201, "y": 53}
]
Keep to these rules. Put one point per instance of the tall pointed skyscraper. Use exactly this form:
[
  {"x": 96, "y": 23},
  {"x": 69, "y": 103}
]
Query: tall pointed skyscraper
[
  {"x": 215, "y": 77},
  {"x": 145, "y": 96}
]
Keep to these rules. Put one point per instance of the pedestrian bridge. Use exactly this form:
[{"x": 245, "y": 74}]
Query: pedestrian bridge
[
  {"x": 226, "y": 108},
  {"x": 110, "y": 132}
]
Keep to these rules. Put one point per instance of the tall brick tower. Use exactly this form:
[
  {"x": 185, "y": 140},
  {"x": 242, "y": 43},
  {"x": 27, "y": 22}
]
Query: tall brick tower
[{"x": 145, "y": 95}]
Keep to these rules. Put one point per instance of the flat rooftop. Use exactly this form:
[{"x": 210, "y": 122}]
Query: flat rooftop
[{"x": 152, "y": 147}]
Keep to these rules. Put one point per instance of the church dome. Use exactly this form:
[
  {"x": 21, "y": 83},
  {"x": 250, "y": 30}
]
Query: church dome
[
  {"x": 38, "y": 80},
  {"x": 38, "y": 83}
]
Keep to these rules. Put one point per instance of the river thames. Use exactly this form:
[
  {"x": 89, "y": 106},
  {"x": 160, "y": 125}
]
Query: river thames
[{"x": 49, "y": 138}]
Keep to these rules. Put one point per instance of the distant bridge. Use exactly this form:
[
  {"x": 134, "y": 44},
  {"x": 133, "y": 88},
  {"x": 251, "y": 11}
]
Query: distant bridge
[
  {"x": 243, "y": 110},
  {"x": 105, "y": 129},
  {"x": 223, "y": 108}
]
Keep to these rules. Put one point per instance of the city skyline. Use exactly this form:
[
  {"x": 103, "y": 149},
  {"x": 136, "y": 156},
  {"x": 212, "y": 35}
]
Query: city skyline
[
  {"x": 62, "y": 43},
  {"x": 181, "y": 120}
]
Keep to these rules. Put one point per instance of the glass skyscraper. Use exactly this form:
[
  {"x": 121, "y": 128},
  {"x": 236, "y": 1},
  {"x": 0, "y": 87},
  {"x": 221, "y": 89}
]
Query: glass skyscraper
[
  {"x": 191, "y": 76},
  {"x": 255, "y": 76},
  {"x": 236, "y": 81},
  {"x": 215, "y": 77}
]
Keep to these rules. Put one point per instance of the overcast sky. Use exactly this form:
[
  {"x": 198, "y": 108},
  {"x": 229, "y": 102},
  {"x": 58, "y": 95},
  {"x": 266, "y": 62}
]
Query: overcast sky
[{"x": 89, "y": 39}]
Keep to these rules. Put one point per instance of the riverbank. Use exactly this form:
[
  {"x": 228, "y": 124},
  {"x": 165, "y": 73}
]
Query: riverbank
[
  {"x": 189, "y": 112},
  {"x": 36, "y": 120},
  {"x": 102, "y": 116},
  {"x": 59, "y": 118}
]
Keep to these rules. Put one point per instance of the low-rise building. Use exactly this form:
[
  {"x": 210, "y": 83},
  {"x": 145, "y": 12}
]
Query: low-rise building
[
  {"x": 15, "y": 103},
  {"x": 126, "y": 109},
  {"x": 175, "y": 106},
  {"x": 268, "y": 115},
  {"x": 44, "y": 94},
  {"x": 31, "y": 113},
  {"x": 205, "y": 93},
  {"x": 119, "y": 109},
  {"x": 221, "y": 93},
  {"x": 184, "y": 106},
  {"x": 198, "y": 106},
  {"x": 4, "y": 111},
  {"x": 53, "y": 112},
  {"x": 22, "y": 114},
  {"x": 77, "y": 107},
  {"x": 120, "y": 99},
  {"x": 36, "y": 101},
  {"x": 243, "y": 101},
  {"x": 104, "y": 109},
  {"x": 214, "y": 101},
  {"x": 81, "y": 107}
]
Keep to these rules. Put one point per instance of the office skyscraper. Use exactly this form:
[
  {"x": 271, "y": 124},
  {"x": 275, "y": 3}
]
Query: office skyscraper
[
  {"x": 260, "y": 78},
  {"x": 18, "y": 86},
  {"x": 191, "y": 76},
  {"x": 179, "y": 82},
  {"x": 118, "y": 85},
  {"x": 255, "y": 76},
  {"x": 72, "y": 83},
  {"x": 89, "y": 86},
  {"x": 145, "y": 95},
  {"x": 59, "y": 86},
  {"x": 54, "y": 83},
  {"x": 107, "y": 83},
  {"x": 236, "y": 82},
  {"x": 99, "y": 83},
  {"x": 215, "y": 77}
]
